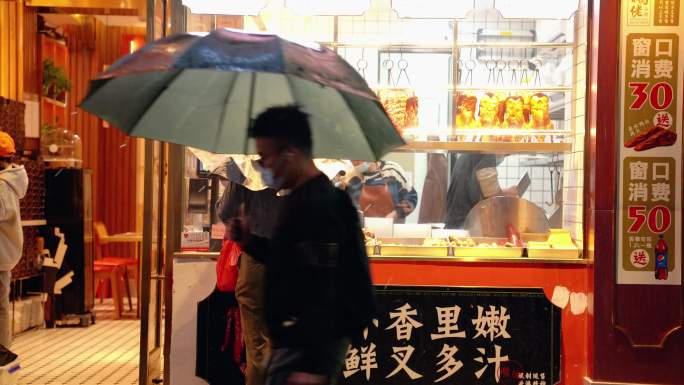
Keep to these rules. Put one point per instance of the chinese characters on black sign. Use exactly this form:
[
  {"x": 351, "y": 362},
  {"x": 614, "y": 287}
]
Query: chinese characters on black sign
[{"x": 426, "y": 335}]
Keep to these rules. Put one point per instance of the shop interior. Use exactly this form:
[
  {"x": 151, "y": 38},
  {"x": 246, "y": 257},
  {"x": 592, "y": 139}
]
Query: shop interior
[
  {"x": 76, "y": 285},
  {"x": 498, "y": 83}
]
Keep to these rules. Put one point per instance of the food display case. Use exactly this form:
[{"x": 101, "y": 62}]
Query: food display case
[{"x": 509, "y": 91}]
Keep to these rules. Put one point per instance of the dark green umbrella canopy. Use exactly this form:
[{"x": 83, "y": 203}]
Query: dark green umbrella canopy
[{"x": 203, "y": 91}]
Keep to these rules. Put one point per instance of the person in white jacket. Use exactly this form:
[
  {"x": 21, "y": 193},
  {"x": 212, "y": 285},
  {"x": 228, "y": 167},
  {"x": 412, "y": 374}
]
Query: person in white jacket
[{"x": 13, "y": 186}]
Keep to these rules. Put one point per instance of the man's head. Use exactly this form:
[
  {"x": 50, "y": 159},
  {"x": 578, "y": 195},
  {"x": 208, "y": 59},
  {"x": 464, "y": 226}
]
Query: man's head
[
  {"x": 7, "y": 149},
  {"x": 283, "y": 142}
]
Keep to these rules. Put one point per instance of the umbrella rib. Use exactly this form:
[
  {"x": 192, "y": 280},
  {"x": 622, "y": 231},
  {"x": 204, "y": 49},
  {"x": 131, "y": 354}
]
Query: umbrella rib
[
  {"x": 154, "y": 99},
  {"x": 290, "y": 88},
  {"x": 370, "y": 145},
  {"x": 223, "y": 110},
  {"x": 250, "y": 108}
]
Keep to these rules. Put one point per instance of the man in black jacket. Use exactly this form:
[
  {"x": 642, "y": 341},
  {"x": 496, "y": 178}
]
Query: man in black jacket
[{"x": 317, "y": 289}]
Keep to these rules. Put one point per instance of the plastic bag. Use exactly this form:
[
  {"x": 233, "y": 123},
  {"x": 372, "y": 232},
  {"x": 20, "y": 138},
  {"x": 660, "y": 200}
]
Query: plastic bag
[{"x": 226, "y": 267}]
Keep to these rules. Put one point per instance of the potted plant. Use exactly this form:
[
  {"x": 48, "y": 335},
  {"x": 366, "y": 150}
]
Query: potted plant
[{"x": 55, "y": 82}]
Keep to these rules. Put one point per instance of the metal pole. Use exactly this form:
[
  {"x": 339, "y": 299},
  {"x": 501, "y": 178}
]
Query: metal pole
[
  {"x": 148, "y": 206},
  {"x": 175, "y": 196},
  {"x": 250, "y": 107}
]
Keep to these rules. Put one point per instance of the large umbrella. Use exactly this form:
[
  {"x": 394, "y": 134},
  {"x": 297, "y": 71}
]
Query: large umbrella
[{"x": 203, "y": 91}]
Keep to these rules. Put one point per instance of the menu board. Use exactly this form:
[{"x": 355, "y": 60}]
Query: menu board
[
  {"x": 650, "y": 228},
  {"x": 453, "y": 335}
]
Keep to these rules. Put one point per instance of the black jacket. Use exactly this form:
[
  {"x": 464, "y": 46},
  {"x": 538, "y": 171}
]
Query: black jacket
[
  {"x": 317, "y": 283},
  {"x": 261, "y": 207}
]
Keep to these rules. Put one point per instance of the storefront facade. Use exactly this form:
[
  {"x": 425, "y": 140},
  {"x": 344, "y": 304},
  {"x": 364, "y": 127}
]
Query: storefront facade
[
  {"x": 584, "y": 97},
  {"x": 446, "y": 58}
]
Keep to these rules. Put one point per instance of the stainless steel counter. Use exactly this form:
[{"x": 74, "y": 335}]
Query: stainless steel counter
[{"x": 194, "y": 255}]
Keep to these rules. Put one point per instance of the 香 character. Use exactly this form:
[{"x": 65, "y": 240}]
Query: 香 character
[{"x": 404, "y": 323}]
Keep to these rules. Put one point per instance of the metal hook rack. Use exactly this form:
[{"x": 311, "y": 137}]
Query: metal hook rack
[
  {"x": 388, "y": 64},
  {"x": 362, "y": 64},
  {"x": 402, "y": 64}
]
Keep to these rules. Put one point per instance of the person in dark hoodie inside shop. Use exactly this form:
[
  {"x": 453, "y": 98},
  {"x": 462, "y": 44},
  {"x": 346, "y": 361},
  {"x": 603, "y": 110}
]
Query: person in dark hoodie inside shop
[{"x": 317, "y": 287}]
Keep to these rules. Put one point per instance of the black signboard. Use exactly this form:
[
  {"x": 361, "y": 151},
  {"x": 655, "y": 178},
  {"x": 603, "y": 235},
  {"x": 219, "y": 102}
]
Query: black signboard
[{"x": 451, "y": 335}]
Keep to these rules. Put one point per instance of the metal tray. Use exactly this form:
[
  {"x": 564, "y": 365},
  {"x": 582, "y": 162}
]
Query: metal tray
[
  {"x": 414, "y": 250},
  {"x": 549, "y": 253},
  {"x": 501, "y": 252},
  {"x": 370, "y": 250}
]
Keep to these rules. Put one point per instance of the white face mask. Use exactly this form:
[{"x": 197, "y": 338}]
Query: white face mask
[
  {"x": 268, "y": 178},
  {"x": 271, "y": 181}
]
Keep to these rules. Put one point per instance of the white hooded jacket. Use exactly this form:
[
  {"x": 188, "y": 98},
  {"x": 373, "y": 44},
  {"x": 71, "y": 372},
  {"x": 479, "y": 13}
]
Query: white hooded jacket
[{"x": 13, "y": 186}]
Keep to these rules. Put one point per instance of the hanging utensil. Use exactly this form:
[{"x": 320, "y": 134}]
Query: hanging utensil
[
  {"x": 402, "y": 64},
  {"x": 470, "y": 66},
  {"x": 388, "y": 64},
  {"x": 459, "y": 71},
  {"x": 514, "y": 65},
  {"x": 500, "y": 66},
  {"x": 362, "y": 64},
  {"x": 537, "y": 78},
  {"x": 524, "y": 66},
  {"x": 551, "y": 191},
  {"x": 491, "y": 66},
  {"x": 558, "y": 179}
]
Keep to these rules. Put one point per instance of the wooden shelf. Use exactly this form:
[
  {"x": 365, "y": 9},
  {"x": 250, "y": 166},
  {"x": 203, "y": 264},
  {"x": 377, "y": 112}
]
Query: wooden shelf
[
  {"x": 486, "y": 147},
  {"x": 446, "y": 45},
  {"x": 54, "y": 102},
  {"x": 34, "y": 222},
  {"x": 513, "y": 89}
]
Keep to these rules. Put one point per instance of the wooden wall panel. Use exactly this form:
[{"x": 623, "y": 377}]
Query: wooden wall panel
[
  {"x": 12, "y": 49},
  {"x": 109, "y": 153},
  {"x": 31, "y": 44}
]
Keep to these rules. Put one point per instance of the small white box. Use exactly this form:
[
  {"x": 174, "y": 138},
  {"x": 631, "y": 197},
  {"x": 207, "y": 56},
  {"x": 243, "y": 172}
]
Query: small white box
[
  {"x": 195, "y": 241},
  {"x": 37, "y": 311},
  {"x": 412, "y": 231},
  {"x": 26, "y": 314},
  {"x": 381, "y": 227},
  {"x": 446, "y": 233},
  {"x": 19, "y": 315}
]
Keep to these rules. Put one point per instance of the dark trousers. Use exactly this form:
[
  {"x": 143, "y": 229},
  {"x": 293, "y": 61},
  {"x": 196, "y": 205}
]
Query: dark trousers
[{"x": 318, "y": 365}]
